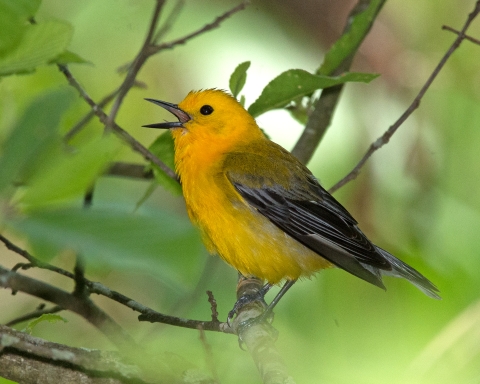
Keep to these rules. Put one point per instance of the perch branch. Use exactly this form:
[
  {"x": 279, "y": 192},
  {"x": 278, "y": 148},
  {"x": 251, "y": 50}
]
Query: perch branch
[
  {"x": 31, "y": 360},
  {"x": 259, "y": 338}
]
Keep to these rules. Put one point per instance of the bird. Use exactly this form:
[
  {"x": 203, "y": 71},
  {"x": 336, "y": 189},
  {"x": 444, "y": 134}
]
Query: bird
[{"x": 259, "y": 208}]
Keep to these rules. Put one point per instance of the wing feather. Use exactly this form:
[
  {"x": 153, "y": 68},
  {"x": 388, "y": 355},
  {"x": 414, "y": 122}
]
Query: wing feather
[{"x": 319, "y": 229}]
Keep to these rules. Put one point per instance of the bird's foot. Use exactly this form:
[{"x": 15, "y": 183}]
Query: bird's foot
[
  {"x": 250, "y": 298},
  {"x": 265, "y": 318},
  {"x": 246, "y": 300}
]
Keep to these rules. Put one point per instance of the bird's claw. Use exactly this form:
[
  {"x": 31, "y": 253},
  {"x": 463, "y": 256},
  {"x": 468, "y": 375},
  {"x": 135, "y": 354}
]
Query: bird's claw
[{"x": 265, "y": 321}]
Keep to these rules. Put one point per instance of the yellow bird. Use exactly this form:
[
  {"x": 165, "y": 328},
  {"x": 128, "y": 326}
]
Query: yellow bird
[{"x": 259, "y": 208}]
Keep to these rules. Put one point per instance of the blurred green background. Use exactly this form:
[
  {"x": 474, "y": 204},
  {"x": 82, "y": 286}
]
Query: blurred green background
[{"x": 418, "y": 196}]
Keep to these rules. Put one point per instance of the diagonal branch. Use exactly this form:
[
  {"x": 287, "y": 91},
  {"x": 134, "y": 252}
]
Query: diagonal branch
[
  {"x": 208, "y": 27},
  {"x": 384, "y": 139},
  {"x": 82, "y": 122},
  {"x": 34, "y": 262},
  {"x": 138, "y": 62}
]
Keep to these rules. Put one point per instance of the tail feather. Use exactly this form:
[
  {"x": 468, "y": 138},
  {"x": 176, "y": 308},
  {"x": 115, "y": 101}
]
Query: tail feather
[{"x": 401, "y": 269}]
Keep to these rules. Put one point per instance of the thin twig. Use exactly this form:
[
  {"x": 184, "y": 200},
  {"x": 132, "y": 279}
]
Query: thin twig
[
  {"x": 135, "y": 171},
  {"x": 169, "y": 21},
  {"x": 34, "y": 262},
  {"x": 469, "y": 38},
  {"x": 156, "y": 317},
  {"x": 84, "y": 120},
  {"x": 208, "y": 27},
  {"x": 384, "y": 139},
  {"x": 35, "y": 314},
  {"x": 124, "y": 135},
  {"x": 213, "y": 306},
  {"x": 167, "y": 25}
]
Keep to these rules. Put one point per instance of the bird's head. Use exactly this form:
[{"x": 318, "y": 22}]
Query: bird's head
[{"x": 210, "y": 117}]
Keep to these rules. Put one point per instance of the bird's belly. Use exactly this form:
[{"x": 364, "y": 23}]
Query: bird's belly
[{"x": 254, "y": 246}]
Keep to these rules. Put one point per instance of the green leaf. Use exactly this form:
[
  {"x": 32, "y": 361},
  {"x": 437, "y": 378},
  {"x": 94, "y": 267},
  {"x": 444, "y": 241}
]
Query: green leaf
[
  {"x": 294, "y": 83},
  {"x": 68, "y": 57},
  {"x": 349, "y": 41},
  {"x": 71, "y": 174},
  {"x": 299, "y": 113},
  {"x": 50, "y": 317},
  {"x": 25, "y": 9},
  {"x": 33, "y": 134},
  {"x": 39, "y": 44},
  {"x": 163, "y": 148},
  {"x": 238, "y": 78},
  {"x": 242, "y": 101},
  {"x": 155, "y": 243},
  {"x": 151, "y": 188},
  {"x": 13, "y": 19}
]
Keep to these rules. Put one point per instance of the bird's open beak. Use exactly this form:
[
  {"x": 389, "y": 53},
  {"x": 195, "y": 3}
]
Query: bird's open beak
[{"x": 182, "y": 116}]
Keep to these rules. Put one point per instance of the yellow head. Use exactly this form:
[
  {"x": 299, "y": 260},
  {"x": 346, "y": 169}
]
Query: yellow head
[{"x": 211, "y": 119}]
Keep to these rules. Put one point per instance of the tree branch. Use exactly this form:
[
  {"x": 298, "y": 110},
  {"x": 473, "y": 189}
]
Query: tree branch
[
  {"x": 259, "y": 338},
  {"x": 135, "y": 171},
  {"x": 384, "y": 139},
  {"x": 321, "y": 117},
  {"x": 30, "y": 360}
]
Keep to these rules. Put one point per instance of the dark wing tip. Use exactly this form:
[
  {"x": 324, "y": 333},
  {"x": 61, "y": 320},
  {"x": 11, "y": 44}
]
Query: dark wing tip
[{"x": 401, "y": 269}]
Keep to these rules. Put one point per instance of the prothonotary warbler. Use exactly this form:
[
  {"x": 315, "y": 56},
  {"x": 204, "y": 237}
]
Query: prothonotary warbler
[{"x": 258, "y": 207}]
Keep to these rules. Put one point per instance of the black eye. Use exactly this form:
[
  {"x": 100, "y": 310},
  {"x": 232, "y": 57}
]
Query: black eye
[{"x": 206, "y": 110}]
